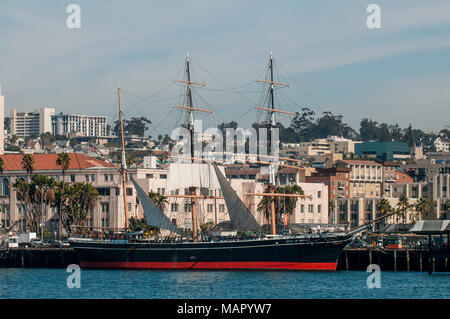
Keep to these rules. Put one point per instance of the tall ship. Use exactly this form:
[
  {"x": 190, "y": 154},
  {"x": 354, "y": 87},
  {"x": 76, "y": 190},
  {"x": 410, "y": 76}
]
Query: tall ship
[{"x": 251, "y": 249}]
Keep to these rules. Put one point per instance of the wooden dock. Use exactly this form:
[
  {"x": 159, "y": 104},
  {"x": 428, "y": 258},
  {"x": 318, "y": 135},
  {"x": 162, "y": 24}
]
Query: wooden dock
[
  {"x": 404, "y": 259},
  {"x": 37, "y": 257}
]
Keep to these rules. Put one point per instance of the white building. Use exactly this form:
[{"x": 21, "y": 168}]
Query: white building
[
  {"x": 442, "y": 144},
  {"x": 27, "y": 124},
  {"x": 85, "y": 125}
]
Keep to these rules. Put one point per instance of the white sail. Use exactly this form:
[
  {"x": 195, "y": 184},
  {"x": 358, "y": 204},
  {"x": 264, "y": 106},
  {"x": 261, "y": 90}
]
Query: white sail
[{"x": 185, "y": 175}]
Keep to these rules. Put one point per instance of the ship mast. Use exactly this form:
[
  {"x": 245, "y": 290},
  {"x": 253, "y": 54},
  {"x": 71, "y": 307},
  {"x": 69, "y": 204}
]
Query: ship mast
[
  {"x": 271, "y": 124},
  {"x": 124, "y": 163},
  {"x": 190, "y": 108}
]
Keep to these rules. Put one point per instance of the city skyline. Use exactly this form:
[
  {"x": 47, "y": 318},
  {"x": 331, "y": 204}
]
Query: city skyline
[{"x": 395, "y": 74}]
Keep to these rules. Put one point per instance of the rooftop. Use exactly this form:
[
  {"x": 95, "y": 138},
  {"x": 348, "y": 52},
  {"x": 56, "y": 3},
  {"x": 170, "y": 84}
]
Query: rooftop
[{"x": 13, "y": 162}]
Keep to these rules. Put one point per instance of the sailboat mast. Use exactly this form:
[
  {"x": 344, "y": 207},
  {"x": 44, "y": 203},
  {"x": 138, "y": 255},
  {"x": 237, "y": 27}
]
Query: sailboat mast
[
  {"x": 190, "y": 105},
  {"x": 191, "y": 131},
  {"x": 124, "y": 163},
  {"x": 272, "y": 99}
]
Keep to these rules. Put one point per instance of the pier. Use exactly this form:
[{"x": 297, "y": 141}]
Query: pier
[
  {"x": 37, "y": 257},
  {"x": 406, "y": 259}
]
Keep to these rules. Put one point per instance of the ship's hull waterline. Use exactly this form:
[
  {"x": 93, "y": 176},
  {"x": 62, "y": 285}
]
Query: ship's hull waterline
[{"x": 263, "y": 254}]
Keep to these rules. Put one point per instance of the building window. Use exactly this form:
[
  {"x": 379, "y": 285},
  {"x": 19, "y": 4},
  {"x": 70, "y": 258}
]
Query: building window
[
  {"x": 221, "y": 208},
  {"x": 92, "y": 178},
  {"x": 72, "y": 178},
  {"x": 174, "y": 207},
  {"x": 319, "y": 193},
  {"x": 129, "y": 192},
  {"x": 302, "y": 208},
  {"x": 310, "y": 208},
  {"x": 106, "y": 177},
  {"x": 187, "y": 208},
  {"x": 210, "y": 208},
  {"x": 86, "y": 177},
  {"x": 148, "y": 175},
  {"x": 319, "y": 208},
  {"x": 162, "y": 176}
]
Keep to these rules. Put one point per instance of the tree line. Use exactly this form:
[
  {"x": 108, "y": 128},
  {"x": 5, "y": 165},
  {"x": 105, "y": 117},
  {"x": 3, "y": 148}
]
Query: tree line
[{"x": 306, "y": 126}]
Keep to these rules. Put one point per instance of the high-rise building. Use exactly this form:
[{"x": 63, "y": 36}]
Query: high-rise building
[
  {"x": 27, "y": 124},
  {"x": 2, "y": 120},
  {"x": 85, "y": 125}
]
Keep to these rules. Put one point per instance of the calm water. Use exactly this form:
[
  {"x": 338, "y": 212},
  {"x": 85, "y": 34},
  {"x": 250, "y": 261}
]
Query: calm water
[{"x": 51, "y": 283}]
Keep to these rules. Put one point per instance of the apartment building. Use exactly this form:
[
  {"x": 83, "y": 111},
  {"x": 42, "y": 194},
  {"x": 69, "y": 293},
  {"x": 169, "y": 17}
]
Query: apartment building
[
  {"x": 442, "y": 144},
  {"x": 337, "y": 179},
  {"x": 342, "y": 145},
  {"x": 83, "y": 125},
  {"x": 27, "y": 124},
  {"x": 366, "y": 178}
]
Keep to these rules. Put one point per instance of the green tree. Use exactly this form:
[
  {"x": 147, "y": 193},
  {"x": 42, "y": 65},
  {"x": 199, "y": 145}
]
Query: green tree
[
  {"x": 28, "y": 163},
  {"x": 80, "y": 199},
  {"x": 134, "y": 126},
  {"x": 63, "y": 160},
  {"x": 160, "y": 200},
  {"x": 282, "y": 204},
  {"x": 402, "y": 203},
  {"x": 36, "y": 196}
]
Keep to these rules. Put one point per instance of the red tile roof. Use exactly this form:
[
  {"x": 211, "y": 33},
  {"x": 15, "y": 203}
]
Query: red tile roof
[{"x": 13, "y": 162}]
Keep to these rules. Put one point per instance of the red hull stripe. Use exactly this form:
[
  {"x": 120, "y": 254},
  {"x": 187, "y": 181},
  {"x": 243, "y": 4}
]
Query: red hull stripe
[{"x": 210, "y": 265}]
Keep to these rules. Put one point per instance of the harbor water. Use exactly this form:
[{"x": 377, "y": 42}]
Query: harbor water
[{"x": 52, "y": 284}]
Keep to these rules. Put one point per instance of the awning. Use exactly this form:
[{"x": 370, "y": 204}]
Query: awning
[{"x": 431, "y": 227}]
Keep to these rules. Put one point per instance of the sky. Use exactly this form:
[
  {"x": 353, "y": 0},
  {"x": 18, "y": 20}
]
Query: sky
[{"x": 399, "y": 73}]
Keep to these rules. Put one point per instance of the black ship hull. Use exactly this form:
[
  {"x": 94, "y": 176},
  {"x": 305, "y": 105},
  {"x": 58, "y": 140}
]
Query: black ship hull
[{"x": 287, "y": 253}]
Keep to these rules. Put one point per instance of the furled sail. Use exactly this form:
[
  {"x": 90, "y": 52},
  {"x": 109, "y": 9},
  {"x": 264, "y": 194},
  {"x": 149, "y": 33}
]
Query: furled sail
[
  {"x": 153, "y": 215},
  {"x": 185, "y": 175},
  {"x": 240, "y": 216}
]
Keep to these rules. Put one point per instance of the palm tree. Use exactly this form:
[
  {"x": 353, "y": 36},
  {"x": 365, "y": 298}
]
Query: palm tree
[
  {"x": 80, "y": 198},
  {"x": 129, "y": 159},
  {"x": 421, "y": 207},
  {"x": 63, "y": 160},
  {"x": 331, "y": 207},
  {"x": 159, "y": 200},
  {"x": 402, "y": 203},
  {"x": 286, "y": 204},
  {"x": 384, "y": 206},
  {"x": 28, "y": 163}
]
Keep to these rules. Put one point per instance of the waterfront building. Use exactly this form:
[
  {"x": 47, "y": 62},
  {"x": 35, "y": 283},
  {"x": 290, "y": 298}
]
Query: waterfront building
[
  {"x": 83, "y": 125},
  {"x": 384, "y": 151},
  {"x": 366, "y": 178},
  {"x": 29, "y": 124},
  {"x": 336, "y": 178}
]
